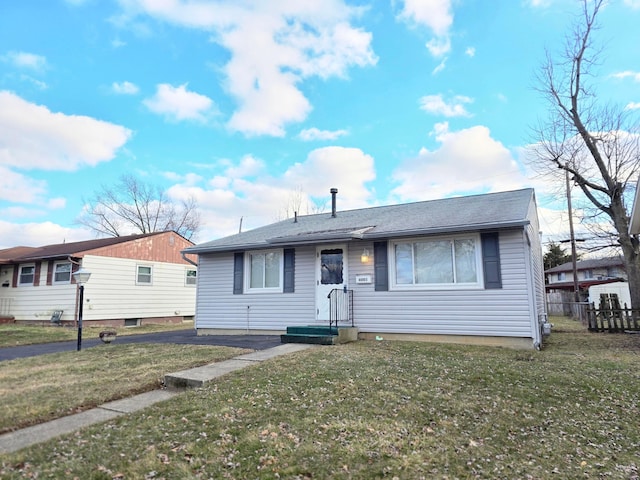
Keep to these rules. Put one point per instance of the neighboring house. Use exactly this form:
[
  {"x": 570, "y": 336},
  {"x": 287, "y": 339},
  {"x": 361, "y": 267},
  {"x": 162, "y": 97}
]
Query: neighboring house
[
  {"x": 465, "y": 269},
  {"x": 134, "y": 279},
  {"x": 590, "y": 272}
]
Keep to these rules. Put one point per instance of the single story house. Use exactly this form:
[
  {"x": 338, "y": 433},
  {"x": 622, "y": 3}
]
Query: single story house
[
  {"x": 465, "y": 269},
  {"x": 134, "y": 279}
]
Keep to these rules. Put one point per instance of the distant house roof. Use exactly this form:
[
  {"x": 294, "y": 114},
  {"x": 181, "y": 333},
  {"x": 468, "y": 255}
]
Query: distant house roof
[
  {"x": 472, "y": 213},
  {"x": 588, "y": 264},
  {"x": 64, "y": 250}
]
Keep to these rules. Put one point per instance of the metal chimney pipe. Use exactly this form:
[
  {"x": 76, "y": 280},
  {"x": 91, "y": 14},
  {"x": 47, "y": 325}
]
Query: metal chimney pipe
[{"x": 333, "y": 191}]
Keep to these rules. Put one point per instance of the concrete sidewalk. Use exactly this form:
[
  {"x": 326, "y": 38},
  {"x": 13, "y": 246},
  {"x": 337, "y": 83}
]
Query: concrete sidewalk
[{"x": 174, "y": 383}]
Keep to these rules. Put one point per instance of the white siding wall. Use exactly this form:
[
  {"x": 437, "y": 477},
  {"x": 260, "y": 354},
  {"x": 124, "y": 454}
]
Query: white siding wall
[
  {"x": 37, "y": 302},
  {"x": 218, "y": 308},
  {"x": 111, "y": 293},
  {"x": 499, "y": 312}
]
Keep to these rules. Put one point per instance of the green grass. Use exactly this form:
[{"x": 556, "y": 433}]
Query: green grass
[
  {"x": 12, "y": 335},
  {"x": 382, "y": 410}
]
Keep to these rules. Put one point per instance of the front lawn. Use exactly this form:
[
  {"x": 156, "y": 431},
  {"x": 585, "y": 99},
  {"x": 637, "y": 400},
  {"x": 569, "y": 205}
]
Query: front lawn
[{"x": 382, "y": 410}]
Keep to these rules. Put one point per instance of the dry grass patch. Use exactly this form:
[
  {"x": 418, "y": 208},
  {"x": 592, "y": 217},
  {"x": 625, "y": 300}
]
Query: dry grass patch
[
  {"x": 381, "y": 410},
  {"x": 38, "y": 389}
]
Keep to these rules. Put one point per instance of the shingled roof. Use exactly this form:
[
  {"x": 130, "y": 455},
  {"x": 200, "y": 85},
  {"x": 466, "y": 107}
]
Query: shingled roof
[
  {"x": 472, "y": 213},
  {"x": 588, "y": 264},
  {"x": 63, "y": 250}
]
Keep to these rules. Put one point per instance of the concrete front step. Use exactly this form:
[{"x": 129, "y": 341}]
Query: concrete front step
[{"x": 308, "y": 338}]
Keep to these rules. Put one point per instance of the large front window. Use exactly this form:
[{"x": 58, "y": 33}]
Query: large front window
[
  {"x": 437, "y": 262},
  {"x": 265, "y": 270}
]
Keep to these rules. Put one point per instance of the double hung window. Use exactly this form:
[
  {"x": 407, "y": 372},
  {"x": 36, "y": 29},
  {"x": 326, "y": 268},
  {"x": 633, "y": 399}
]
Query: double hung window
[
  {"x": 62, "y": 272},
  {"x": 27, "y": 274},
  {"x": 264, "y": 271},
  {"x": 191, "y": 277},
  {"x": 144, "y": 275}
]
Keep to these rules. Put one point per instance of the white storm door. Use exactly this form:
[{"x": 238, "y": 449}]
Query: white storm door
[{"x": 331, "y": 273}]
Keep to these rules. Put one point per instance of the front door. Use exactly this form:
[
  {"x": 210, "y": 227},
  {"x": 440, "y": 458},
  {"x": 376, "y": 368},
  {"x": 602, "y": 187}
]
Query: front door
[{"x": 331, "y": 272}]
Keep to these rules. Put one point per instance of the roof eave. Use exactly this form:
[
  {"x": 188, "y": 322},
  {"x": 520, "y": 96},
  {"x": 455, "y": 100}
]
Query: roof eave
[{"x": 357, "y": 235}]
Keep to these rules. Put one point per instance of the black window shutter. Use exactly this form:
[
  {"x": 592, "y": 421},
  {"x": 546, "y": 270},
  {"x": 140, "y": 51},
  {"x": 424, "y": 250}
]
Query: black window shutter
[
  {"x": 238, "y": 272},
  {"x": 289, "y": 270},
  {"x": 381, "y": 266},
  {"x": 491, "y": 260}
]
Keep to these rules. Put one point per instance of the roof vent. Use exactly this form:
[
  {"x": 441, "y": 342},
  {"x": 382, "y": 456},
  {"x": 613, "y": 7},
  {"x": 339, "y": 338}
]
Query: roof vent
[{"x": 334, "y": 192}]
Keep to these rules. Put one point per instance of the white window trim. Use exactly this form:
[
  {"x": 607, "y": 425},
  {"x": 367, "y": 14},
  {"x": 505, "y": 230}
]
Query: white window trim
[
  {"x": 186, "y": 277},
  {"x": 150, "y": 282},
  {"x": 247, "y": 272},
  {"x": 20, "y": 283},
  {"x": 53, "y": 274},
  {"x": 478, "y": 285}
]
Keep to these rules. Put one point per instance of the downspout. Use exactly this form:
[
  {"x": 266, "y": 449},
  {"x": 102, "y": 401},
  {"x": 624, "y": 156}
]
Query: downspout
[
  {"x": 188, "y": 260},
  {"x": 533, "y": 303}
]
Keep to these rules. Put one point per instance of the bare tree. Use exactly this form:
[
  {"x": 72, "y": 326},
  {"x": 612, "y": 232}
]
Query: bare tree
[
  {"x": 597, "y": 144},
  {"x": 132, "y": 206},
  {"x": 298, "y": 203}
]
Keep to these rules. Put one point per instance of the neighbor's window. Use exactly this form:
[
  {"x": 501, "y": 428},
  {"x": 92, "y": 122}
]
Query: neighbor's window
[
  {"x": 144, "y": 275},
  {"x": 437, "y": 262},
  {"x": 27, "y": 275},
  {"x": 265, "y": 270},
  {"x": 62, "y": 272},
  {"x": 562, "y": 276},
  {"x": 191, "y": 277}
]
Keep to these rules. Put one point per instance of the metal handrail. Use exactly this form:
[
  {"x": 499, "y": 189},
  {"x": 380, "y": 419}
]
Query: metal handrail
[{"x": 340, "y": 306}]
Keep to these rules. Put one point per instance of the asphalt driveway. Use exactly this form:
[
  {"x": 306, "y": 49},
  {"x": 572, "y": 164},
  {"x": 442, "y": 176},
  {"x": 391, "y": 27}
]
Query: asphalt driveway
[{"x": 184, "y": 337}]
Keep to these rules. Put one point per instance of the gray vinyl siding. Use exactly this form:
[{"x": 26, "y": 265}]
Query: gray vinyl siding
[
  {"x": 483, "y": 312},
  {"x": 218, "y": 308},
  {"x": 495, "y": 312}
]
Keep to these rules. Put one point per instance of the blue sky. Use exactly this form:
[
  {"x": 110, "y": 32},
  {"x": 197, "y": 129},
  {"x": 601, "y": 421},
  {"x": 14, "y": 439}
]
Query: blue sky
[{"x": 245, "y": 105}]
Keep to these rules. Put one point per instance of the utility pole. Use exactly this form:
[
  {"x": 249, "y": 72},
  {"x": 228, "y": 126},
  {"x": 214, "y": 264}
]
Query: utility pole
[{"x": 576, "y": 291}]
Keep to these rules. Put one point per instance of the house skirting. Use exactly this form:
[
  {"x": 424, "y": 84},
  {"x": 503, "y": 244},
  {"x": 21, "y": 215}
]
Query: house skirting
[
  {"x": 110, "y": 322},
  {"x": 7, "y": 319},
  {"x": 237, "y": 331},
  {"x": 511, "y": 342}
]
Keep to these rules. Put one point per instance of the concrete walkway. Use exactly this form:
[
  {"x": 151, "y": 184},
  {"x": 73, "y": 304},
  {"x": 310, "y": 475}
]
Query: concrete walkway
[{"x": 174, "y": 383}]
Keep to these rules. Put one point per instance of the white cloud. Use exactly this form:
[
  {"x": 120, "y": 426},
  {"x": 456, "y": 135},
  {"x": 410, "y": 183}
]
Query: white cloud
[
  {"x": 33, "y": 137},
  {"x": 39, "y": 234},
  {"x": 441, "y": 66},
  {"x": 25, "y": 60},
  {"x": 435, "y": 104},
  {"x": 57, "y": 203},
  {"x": 540, "y": 3},
  {"x": 635, "y": 4},
  {"x": 470, "y": 52},
  {"x": 40, "y": 85},
  {"x": 310, "y": 134},
  {"x": 177, "y": 103},
  {"x": 124, "y": 88},
  {"x": 17, "y": 188},
  {"x": 635, "y": 76},
  {"x": 466, "y": 161},
  {"x": 632, "y": 106},
  {"x": 297, "y": 40},
  {"x": 439, "y": 47},
  {"x": 259, "y": 198},
  {"x": 435, "y": 15}
]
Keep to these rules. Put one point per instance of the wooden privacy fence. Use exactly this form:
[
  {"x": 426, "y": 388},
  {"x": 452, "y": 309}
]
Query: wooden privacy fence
[{"x": 611, "y": 317}]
